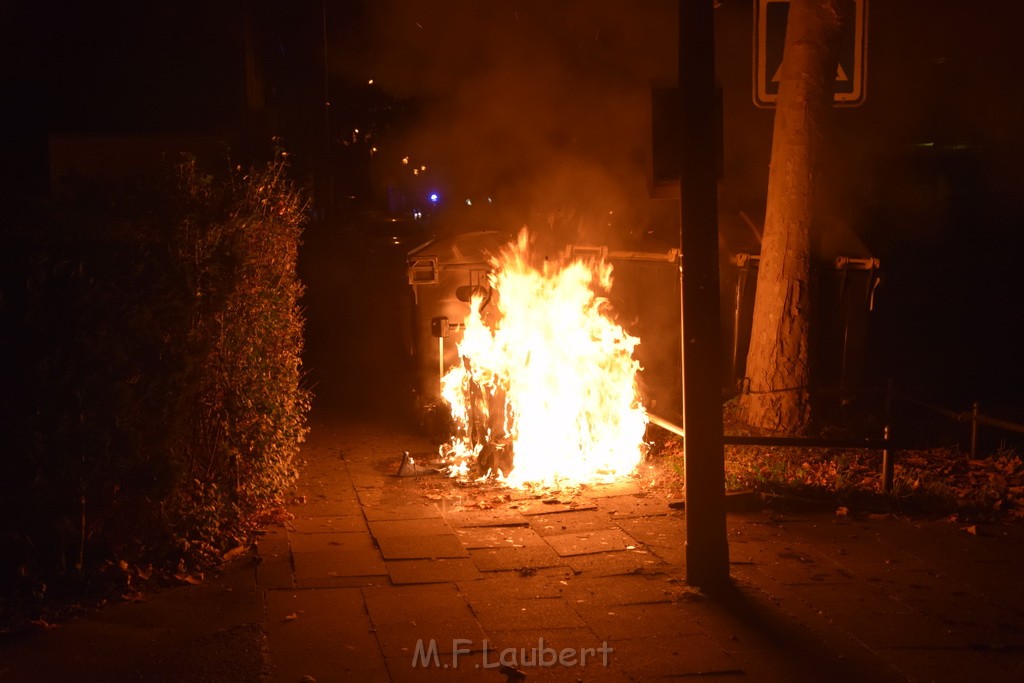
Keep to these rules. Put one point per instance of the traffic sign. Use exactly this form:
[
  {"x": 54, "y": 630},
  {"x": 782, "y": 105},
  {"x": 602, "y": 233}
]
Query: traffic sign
[{"x": 770, "y": 39}]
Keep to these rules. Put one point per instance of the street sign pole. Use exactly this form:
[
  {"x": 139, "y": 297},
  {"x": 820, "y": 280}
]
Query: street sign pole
[{"x": 707, "y": 550}]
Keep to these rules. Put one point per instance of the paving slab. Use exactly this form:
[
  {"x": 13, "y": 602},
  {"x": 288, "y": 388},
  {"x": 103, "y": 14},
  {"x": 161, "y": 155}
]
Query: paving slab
[
  {"x": 666, "y": 531},
  {"x": 589, "y": 542},
  {"x": 499, "y": 613},
  {"x": 554, "y": 638},
  {"x": 405, "y": 616},
  {"x": 966, "y": 611},
  {"x": 900, "y": 630},
  {"x": 326, "y": 544},
  {"x": 449, "y": 635},
  {"x": 370, "y": 495},
  {"x": 333, "y": 565},
  {"x": 621, "y": 562},
  {"x": 401, "y": 512},
  {"x": 499, "y": 517},
  {"x": 637, "y": 505},
  {"x": 325, "y": 635},
  {"x": 1010, "y": 593},
  {"x": 328, "y": 507},
  {"x": 893, "y": 576},
  {"x": 942, "y": 664},
  {"x": 326, "y": 473},
  {"x": 554, "y": 507},
  {"x": 366, "y": 481},
  {"x": 409, "y": 527},
  {"x": 981, "y": 574},
  {"x": 402, "y": 604},
  {"x": 671, "y": 555},
  {"x": 326, "y": 524},
  {"x": 678, "y": 656},
  {"x": 735, "y": 630},
  {"x": 792, "y": 565},
  {"x": 499, "y": 537},
  {"x": 582, "y": 520},
  {"x": 432, "y": 665},
  {"x": 619, "y": 622},
  {"x": 623, "y": 589},
  {"x": 753, "y": 552},
  {"x": 274, "y": 569},
  {"x": 421, "y": 547},
  {"x": 431, "y": 571},
  {"x": 834, "y": 529},
  {"x": 542, "y": 583},
  {"x": 521, "y": 558},
  {"x": 572, "y": 654},
  {"x": 832, "y": 600}
]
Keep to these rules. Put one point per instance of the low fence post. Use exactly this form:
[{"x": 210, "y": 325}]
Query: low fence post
[{"x": 888, "y": 460}]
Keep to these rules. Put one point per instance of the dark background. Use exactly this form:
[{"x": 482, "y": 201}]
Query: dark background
[{"x": 539, "y": 106}]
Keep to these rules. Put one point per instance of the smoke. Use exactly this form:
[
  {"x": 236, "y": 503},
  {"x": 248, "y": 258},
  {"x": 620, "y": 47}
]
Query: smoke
[{"x": 542, "y": 106}]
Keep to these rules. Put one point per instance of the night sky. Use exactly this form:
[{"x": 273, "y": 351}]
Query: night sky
[{"x": 543, "y": 105}]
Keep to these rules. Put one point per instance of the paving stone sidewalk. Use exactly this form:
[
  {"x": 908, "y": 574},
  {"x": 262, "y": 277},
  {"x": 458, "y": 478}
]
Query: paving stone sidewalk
[{"x": 387, "y": 578}]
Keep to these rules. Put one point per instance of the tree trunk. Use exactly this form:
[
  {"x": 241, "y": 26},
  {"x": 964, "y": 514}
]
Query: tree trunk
[{"x": 776, "y": 391}]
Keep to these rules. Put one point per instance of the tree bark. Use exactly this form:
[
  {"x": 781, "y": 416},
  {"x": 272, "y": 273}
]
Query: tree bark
[{"x": 776, "y": 393}]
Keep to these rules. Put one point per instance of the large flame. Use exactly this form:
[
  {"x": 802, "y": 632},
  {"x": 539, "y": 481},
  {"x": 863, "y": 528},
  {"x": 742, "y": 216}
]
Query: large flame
[{"x": 548, "y": 381}]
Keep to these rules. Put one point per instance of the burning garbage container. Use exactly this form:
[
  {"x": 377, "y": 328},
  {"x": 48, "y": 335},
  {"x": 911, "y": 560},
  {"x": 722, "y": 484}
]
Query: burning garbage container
[
  {"x": 446, "y": 272},
  {"x": 645, "y": 297},
  {"x": 443, "y": 274}
]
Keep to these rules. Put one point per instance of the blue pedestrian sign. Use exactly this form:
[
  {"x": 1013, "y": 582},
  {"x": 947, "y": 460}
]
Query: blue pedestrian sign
[{"x": 770, "y": 39}]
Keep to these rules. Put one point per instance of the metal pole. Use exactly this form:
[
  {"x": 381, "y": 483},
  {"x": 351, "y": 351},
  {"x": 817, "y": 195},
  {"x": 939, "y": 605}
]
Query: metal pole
[
  {"x": 707, "y": 549},
  {"x": 741, "y": 286},
  {"x": 888, "y": 462}
]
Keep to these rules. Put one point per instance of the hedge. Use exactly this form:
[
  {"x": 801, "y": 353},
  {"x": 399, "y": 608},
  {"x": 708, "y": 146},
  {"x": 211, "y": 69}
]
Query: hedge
[{"x": 154, "y": 397}]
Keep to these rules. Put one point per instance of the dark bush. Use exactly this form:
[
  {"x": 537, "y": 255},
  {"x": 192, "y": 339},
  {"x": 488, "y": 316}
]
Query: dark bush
[{"x": 153, "y": 394}]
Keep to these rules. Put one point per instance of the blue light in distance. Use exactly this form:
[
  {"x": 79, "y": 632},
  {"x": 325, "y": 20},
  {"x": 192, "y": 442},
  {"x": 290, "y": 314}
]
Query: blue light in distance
[{"x": 434, "y": 197}]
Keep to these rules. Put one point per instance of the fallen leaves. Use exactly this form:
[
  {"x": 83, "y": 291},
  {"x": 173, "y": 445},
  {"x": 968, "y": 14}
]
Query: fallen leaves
[
  {"x": 927, "y": 481},
  {"x": 237, "y": 551},
  {"x": 43, "y": 624},
  {"x": 274, "y": 516},
  {"x": 190, "y": 579}
]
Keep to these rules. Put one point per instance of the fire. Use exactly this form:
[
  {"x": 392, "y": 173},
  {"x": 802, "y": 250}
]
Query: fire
[{"x": 546, "y": 394}]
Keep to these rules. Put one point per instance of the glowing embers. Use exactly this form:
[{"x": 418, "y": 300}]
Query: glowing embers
[{"x": 546, "y": 393}]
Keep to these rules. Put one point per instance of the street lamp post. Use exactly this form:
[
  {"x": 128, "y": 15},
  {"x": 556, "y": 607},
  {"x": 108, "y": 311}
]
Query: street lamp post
[{"x": 707, "y": 549}]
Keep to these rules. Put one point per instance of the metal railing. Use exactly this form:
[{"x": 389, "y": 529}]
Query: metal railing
[
  {"x": 973, "y": 416},
  {"x": 884, "y": 444}
]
